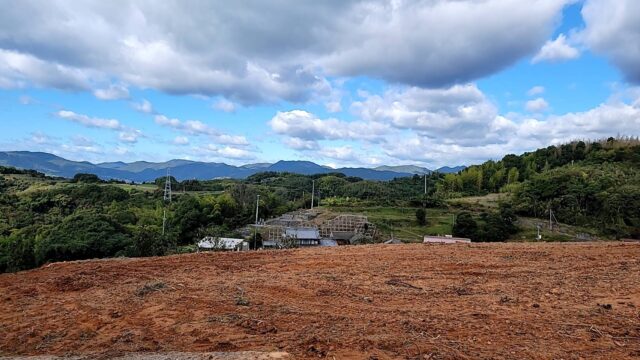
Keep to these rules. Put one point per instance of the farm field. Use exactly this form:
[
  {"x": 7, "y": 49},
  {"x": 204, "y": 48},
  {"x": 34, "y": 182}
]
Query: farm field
[
  {"x": 401, "y": 221},
  {"x": 510, "y": 300}
]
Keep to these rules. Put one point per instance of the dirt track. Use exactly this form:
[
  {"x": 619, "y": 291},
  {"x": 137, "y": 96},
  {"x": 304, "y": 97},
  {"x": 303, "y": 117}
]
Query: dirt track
[{"x": 500, "y": 301}]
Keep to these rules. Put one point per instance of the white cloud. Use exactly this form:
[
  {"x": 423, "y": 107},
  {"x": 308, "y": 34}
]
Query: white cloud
[
  {"x": 223, "y": 51},
  {"x": 80, "y": 140},
  {"x": 343, "y": 153},
  {"x": 81, "y": 149},
  {"x": 198, "y": 128},
  {"x": 612, "y": 28},
  {"x": 608, "y": 119},
  {"x": 537, "y": 105},
  {"x": 181, "y": 140},
  {"x": 76, "y": 148},
  {"x": 81, "y": 144},
  {"x": 87, "y": 121},
  {"x": 306, "y": 126},
  {"x": 460, "y": 114},
  {"x": 193, "y": 127},
  {"x": 144, "y": 107},
  {"x": 26, "y": 100},
  {"x": 300, "y": 144},
  {"x": 235, "y": 153},
  {"x": 130, "y": 135},
  {"x": 333, "y": 106},
  {"x": 438, "y": 43},
  {"x": 556, "y": 51},
  {"x": 432, "y": 128},
  {"x": 39, "y": 137},
  {"x": 121, "y": 151},
  {"x": 216, "y": 153},
  {"x": 113, "y": 92},
  {"x": 528, "y": 134},
  {"x": 237, "y": 140},
  {"x": 18, "y": 70},
  {"x": 536, "y": 90},
  {"x": 225, "y": 105},
  {"x": 125, "y": 133}
]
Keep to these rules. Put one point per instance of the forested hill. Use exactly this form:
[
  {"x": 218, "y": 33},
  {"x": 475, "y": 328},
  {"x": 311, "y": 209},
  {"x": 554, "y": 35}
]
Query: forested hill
[
  {"x": 594, "y": 184},
  {"x": 493, "y": 176}
]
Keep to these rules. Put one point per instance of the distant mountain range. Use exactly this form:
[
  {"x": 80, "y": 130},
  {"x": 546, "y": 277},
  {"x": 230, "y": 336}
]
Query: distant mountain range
[{"x": 142, "y": 171}]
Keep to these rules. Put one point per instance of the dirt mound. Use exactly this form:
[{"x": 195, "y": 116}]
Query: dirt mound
[{"x": 501, "y": 301}]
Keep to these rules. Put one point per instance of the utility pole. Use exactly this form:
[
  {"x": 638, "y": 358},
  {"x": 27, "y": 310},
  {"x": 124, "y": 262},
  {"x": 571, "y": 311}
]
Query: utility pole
[
  {"x": 257, "y": 207},
  {"x": 255, "y": 227},
  {"x": 424, "y": 201},
  {"x": 425, "y": 184},
  {"x": 313, "y": 191},
  {"x": 167, "y": 197}
]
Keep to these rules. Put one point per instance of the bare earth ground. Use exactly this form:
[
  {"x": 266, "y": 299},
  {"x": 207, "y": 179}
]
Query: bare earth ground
[{"x": 498, "y": 301}]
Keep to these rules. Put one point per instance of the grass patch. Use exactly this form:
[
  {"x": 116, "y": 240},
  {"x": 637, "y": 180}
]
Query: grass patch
[
  {"x": 241, "y": 300},
  {"x": 402, "y": 223},
  {"x": 150, "y": 288},
  {"x": 479, "y": 203}
]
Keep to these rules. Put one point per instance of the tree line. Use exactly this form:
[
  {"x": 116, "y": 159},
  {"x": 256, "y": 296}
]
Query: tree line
[
  {"x": 593, "y": 184},
  {"x": 43, "y": 219}
]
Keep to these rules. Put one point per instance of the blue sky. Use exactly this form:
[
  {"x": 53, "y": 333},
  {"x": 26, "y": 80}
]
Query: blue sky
[{"x": 360, "y": 83}]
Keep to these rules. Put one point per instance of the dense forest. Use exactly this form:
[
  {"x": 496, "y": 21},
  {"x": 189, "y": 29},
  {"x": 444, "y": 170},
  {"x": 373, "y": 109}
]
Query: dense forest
[
  {"x": 594, "y": 184},
  {"x": 43, "y": 219}
]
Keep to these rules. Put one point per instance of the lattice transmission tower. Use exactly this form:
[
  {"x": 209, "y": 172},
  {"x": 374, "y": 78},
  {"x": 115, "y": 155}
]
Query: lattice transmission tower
[{"x": 167, "y": 188}]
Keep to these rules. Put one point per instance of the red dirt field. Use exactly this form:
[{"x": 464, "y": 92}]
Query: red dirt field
[{"x": 480, "y": 301}]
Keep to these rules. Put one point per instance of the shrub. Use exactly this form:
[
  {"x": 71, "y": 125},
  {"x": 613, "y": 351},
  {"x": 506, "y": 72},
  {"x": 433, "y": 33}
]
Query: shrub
[
  {"x": 86, "y": 178},
  {"x": 148, "y": 241},
  {"x": 465, "y": 226},
  {"x": 84, "y": 235},
  {"x": 421, "y": 217}
]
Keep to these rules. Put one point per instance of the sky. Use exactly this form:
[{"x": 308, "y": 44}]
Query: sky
[{"x": 337, "y": 82}]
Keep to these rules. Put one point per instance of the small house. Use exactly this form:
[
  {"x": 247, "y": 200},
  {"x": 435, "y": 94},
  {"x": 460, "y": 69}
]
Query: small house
[
  {"x": 305, "y": 236},
  {"x": 447, "y": 239}
]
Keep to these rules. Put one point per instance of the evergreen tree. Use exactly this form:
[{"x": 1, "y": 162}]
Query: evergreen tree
[{"x": 421, "y": 217}]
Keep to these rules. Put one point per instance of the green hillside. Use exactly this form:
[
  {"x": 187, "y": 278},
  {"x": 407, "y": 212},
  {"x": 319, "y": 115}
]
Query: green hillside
[
  {"x": 594, "y": 184},
  {"x": 591, "y": 187}
]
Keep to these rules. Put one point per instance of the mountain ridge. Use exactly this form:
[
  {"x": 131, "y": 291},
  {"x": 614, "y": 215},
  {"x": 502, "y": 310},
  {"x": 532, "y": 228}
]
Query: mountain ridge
[{"x": 144, "y": 171}]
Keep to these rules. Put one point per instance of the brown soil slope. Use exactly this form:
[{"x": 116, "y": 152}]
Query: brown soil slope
[{"x": 499, "y": 301}]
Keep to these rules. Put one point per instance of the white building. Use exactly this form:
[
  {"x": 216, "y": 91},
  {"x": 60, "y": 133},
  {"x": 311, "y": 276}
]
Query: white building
[
  {"x": 447, "y": 239},
  {"x": 228, "y": 244}
]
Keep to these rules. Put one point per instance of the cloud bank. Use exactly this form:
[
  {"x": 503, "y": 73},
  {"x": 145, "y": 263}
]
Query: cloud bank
[{"x": 256, "y": 52}]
